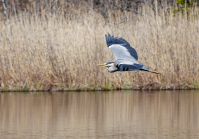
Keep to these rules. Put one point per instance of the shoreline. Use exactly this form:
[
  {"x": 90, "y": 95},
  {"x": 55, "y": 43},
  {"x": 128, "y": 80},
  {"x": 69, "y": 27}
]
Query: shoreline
[{"x": 95, "y": 90}]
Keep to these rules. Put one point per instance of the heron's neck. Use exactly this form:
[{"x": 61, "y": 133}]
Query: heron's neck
[{"x": 112, "y": 68}]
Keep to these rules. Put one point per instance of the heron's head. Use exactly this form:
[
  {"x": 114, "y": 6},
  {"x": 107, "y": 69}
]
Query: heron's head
[
  {"x": 110, "y": 66},
  {"x": 107, "y": 64}
]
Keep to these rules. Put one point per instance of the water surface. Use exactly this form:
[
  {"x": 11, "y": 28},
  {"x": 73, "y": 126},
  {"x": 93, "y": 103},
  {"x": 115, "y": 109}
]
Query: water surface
[{"x": 117, "y": 114}]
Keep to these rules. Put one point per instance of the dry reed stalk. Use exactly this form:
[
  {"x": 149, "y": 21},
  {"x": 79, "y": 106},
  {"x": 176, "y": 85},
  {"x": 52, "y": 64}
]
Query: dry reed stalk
[{"x": 53, "y": 50}]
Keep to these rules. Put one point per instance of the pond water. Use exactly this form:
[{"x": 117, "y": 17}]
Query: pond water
[{"x": 114, "y": 114}]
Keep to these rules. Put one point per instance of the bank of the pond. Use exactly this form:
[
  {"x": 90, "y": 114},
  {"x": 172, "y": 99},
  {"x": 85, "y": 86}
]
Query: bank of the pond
[{"x": 147, "y": 87}]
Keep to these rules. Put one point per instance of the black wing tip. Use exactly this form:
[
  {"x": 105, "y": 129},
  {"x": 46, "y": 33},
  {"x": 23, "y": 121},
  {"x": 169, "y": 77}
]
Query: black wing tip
[
  {"x": 114, "y": 40},
  {"x": 109, "y": 39}
]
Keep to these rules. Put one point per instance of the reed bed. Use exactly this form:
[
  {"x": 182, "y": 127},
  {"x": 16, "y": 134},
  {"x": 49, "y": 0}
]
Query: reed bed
[{"x": 59, "y": 52}]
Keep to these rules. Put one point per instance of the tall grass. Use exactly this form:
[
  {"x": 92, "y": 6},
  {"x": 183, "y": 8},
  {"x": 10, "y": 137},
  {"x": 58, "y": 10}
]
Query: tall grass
[{"x": 58, "y": 51}]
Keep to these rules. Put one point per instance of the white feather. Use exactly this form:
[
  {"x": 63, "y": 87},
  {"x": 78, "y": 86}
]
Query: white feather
[
  {"x": 120, "y": 52},
  {"x": 126, "y": 61}
]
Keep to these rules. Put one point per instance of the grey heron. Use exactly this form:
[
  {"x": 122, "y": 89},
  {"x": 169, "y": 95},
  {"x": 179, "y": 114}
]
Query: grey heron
[{"x": 126, "y": 56}]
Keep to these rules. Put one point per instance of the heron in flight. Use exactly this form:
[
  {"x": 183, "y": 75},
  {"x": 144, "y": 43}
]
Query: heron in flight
[{"x": 126, "y": 56}]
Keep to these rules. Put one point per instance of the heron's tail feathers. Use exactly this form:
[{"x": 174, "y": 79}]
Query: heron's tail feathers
[
  {"x": 146, "y": 69},
  {"x": 154, "y": 72}
]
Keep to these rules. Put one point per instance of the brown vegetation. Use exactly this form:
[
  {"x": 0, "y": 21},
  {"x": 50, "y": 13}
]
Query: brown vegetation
[{"x": 59, "y": 51}]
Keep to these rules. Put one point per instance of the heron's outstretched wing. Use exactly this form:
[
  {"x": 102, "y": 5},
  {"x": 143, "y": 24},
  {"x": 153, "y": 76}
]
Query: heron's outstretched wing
[
  {"x": 129, "y": 65},
  {"x": 121, "y": 48}
]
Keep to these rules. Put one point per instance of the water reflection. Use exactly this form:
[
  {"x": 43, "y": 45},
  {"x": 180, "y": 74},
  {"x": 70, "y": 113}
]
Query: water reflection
[{"x": 119, "y": 114}]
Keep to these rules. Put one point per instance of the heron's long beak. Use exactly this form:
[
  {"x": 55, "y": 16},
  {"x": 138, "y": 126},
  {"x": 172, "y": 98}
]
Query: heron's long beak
[{"x": 100, "y": 64}]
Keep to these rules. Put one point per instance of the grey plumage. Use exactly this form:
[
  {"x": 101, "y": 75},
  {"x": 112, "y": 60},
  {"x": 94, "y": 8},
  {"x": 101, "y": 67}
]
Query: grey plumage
[
  {"x": 126, "y": 56},
  {"x": 117, "y": 44}
]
